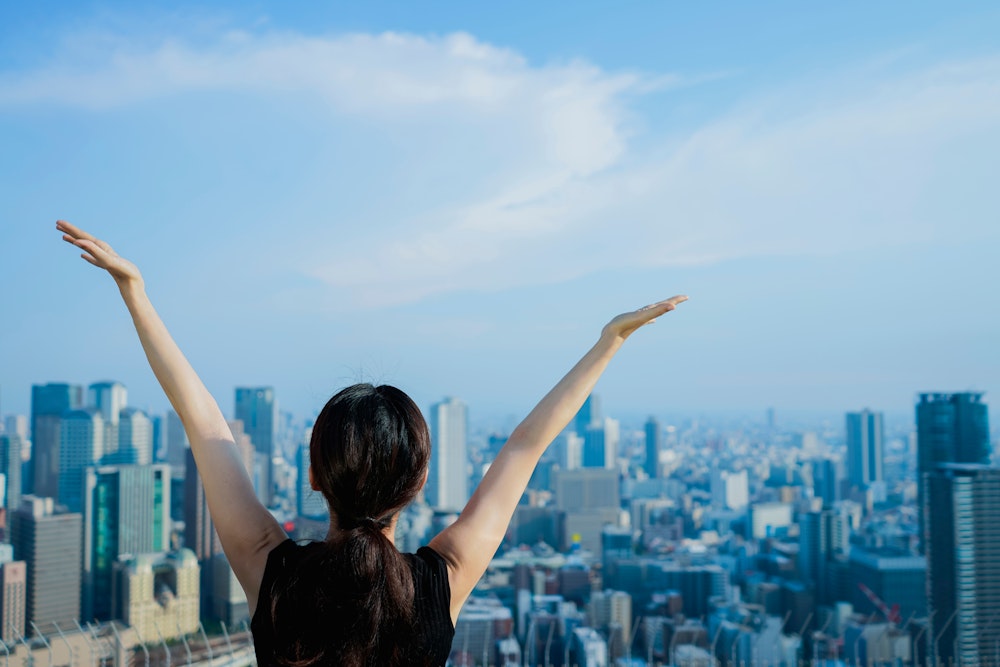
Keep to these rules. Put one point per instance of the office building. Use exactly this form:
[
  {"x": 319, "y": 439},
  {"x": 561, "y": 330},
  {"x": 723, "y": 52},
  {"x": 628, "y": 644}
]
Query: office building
[
  {"x": 176, "y": 441},
  {"x": 126, "y": 511},
  {"x": 586, "y": 488},
  {"x": 864, "y": 448},
  {"x": 600, "y": 444},
  {"x": 730, "y": 490},
  {"x": 158, "y": 594},
  {"x": 135, "y": 438},
  {"x": 310, "y": 503},
  {"x": 823, "y": 537},
  {"x": 13, "y": 595},
  {"x": 654, "y": 443},
  {"x": 896, "y": 578},
  {"x": 951, "y": 428},
  {"x": 50, "y": 546},
  {"x": 81, "y": 444},
  {"x": 828, "y": 479},
  {"x": 588, "y": 414},
  {"x": 448, "y": 480},
  {"x": 257, "y": 409},
  {"x": 48, "y": 403},
  {"x": 11, "y": 446},
  {"x": 963, "y": 563},
  {"x": 109, "y": 398}
]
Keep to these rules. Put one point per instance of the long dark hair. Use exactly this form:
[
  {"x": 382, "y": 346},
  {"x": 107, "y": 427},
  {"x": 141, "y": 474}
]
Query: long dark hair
[{"x": 351, "y": 601}]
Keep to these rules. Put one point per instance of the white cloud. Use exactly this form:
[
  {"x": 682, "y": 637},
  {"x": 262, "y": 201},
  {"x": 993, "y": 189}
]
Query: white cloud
[{"x": 803, "y": 170}]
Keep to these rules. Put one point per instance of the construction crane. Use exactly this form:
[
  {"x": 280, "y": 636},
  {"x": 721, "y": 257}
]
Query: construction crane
[{"x": 891, "y": 615}]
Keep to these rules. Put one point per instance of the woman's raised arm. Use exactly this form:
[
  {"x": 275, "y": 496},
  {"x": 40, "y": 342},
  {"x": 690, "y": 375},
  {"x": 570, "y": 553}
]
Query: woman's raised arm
[
  {"x": 468, "y": 544},
  {"x": 246, "y": 529}
]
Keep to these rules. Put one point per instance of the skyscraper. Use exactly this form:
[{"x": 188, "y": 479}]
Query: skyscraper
[
  {"x": 135, "y": 438},
  {"x": 823, "y": 536},
  {"x": 50, "y": 546},
  {"x": 256, "y": 408},
  {"x": 109, "y": 398},
  {"x": 13, "y": 592},
  {"x": 309, "y": 502},
  {"x": 600, "y": 444},
  {"x": 951, "y": 428},
  {"x": 48, "y": 403},
  {"x": 448, "y": 480},
  {"x": 81, "y": 444},
  {"x": 654, "y": 438},
  {"x": 11, "y": 446},
  {"x": 126, "y": 511},
  {"x": 963, "y": 563},
  {"x": 864, "y": 448},
  {"x": 588, "y": 414}
]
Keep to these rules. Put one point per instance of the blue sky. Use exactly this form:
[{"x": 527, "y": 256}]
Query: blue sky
[{"x": 453, "y": 197}]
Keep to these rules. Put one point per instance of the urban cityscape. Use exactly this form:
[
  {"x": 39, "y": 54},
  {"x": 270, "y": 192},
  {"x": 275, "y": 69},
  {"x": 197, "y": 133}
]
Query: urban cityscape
[{"x": 684, "y": 543}]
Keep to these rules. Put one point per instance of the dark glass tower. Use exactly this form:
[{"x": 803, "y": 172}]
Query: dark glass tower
[
  {"x": 951, "y": 428},
  {"x": 256, "y": 408},
  {"x": 963, "y": 563},
  {"x": 48, "y": 403},
  {"x": 654, "y": 437},
  {"x": 864, "y": 448}
]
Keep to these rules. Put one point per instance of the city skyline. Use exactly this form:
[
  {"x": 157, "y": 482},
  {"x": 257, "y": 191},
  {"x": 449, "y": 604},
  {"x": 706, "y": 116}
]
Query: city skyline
[{"x": 455, "y": 200}]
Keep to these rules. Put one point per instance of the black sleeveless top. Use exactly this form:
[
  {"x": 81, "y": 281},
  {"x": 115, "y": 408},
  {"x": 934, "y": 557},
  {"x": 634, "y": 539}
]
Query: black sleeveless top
[{"x": 432, "y": 601}]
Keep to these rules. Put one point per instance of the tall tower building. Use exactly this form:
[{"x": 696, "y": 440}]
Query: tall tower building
[
  {"x": 864, "y": 448},
  {"x": 654, "y": 440},
  {"x": 109, "y": 398},
  {"x": 176, "y": 440},
  {"x": 588, "y": 414},
  {"x": 963, "y": 563},
  {"x": 823, "y": 536},
  {"x": 81, "y": 444},
  {"x": 448, "y": 481},
  {"x": 135, "y": 438},
  {"x": 126, "y": 511},
  {"x": 199, "y": 531},
  {"x": 600, "y": 444},
  {"x": 828, "y": 477},
  {"x": 48, "y": 403},
  {"x": 11, "y": 446},
  {"x": 13, "y": 594},
  {"x": 256, "y": 408},
  {"x": 50, "y": 546},
  {"x": 309, "y": 502},
  {"x": 951, "y": 428},
  {"x": 730, "y": 489}
]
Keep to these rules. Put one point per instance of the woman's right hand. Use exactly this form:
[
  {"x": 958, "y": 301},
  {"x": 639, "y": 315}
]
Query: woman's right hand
[{"x": 101, "y": 255}]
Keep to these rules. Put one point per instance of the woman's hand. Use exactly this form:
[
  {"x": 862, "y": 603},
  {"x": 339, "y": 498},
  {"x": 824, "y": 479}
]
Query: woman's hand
[
  {"x": 622, "y": 326},
  {"x": 101, "y": 255}
]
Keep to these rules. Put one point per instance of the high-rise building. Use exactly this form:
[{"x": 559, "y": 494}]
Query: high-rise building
[
  {"x": 588, "y": 414},
  {"x": 257, "y": 409},
  {"x": 176, "y": 440},
  {"x": 951, "y": 428},
  {"x": 16, "y": 425},
  {"x": 109, "y": 398},
  {"x": 823, "y": 537},
  {"x": 81, "y": 444},
  {"x": 864, "y": 448},
  {"x": 963, "y": 563},
  {"x": 309, "y": 502},
  {"x": 11, "y": 446},
  {"x": 126, "y": 511},
  {"x": 199, "y": 530},
  {"x": 828, "y": 477},
  {"x": 586, "y": 488},
  {"x": 50, "y": 546},
  {"x": 654, "y": 440},
  {"x": 730, "y": 490},
  {"x": 48, "y": 403},
  {"x": 135, "y": 438},
  {"x": 13, "y": 595},
  {"x": 896, "y": 578},
  {"x": 600, "y": 444},
  {"x": 448, "y": 481}
]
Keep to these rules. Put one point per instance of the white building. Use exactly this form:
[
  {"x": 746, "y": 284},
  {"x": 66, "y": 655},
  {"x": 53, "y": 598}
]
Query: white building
[
  {"x": 730, "y": 490},
  {"x": 448, "y": 481}
]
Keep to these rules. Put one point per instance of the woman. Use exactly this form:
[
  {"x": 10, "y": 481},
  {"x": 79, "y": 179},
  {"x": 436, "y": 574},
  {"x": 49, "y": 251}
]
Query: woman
[{"x": 354, "y": 599}]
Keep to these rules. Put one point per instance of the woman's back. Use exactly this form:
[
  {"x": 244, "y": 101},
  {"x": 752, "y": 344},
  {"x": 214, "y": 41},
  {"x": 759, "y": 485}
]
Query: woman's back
[{"x": 307, "y": 614}]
